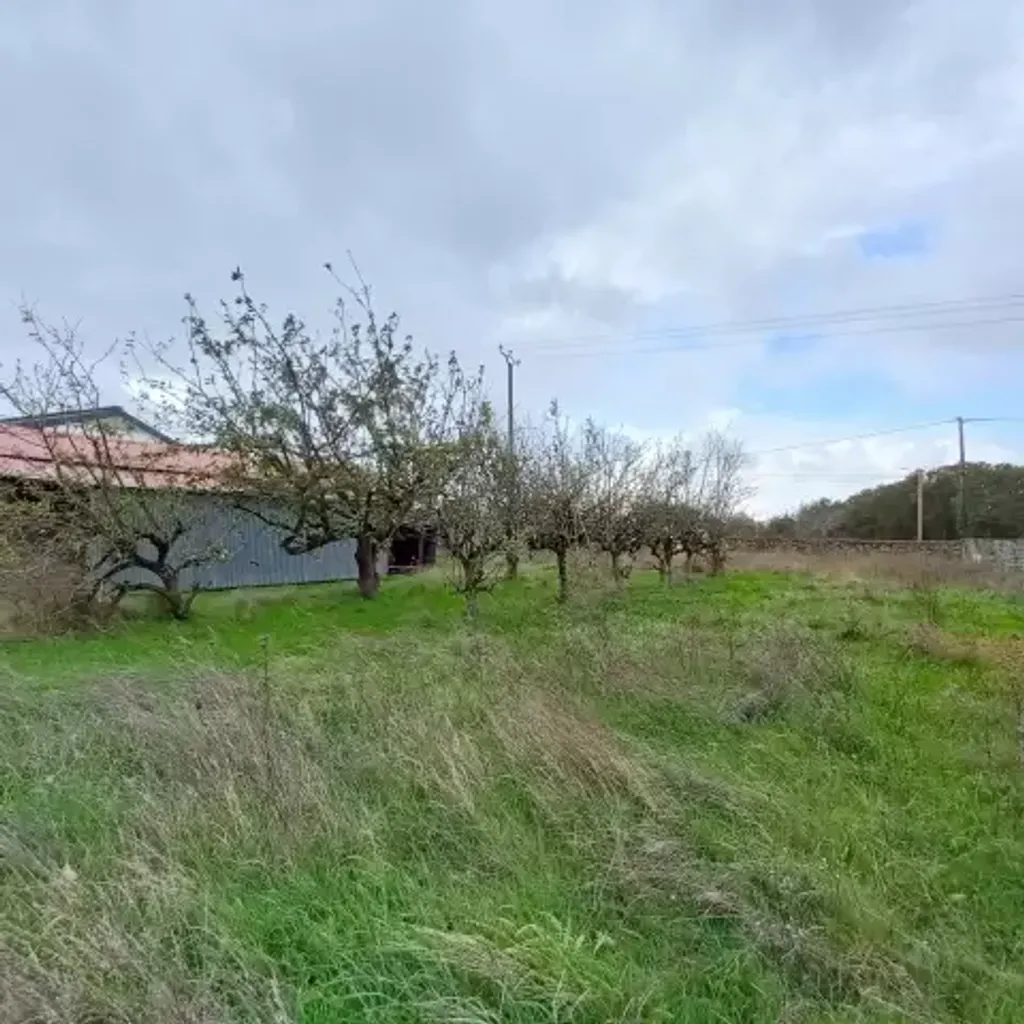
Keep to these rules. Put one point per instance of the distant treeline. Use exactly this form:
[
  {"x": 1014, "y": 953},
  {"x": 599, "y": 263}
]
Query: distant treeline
[{"x": 994, "y": 508}]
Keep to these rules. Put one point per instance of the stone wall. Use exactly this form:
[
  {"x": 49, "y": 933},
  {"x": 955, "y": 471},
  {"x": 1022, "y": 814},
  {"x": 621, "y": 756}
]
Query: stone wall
[
  {"x": 842, "y": 545},
  {"x": 1006, "y": 554}
]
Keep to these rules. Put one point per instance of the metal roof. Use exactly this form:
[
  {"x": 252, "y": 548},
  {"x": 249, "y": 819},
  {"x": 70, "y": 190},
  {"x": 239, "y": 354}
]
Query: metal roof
[{"x": 69, "y": 417}]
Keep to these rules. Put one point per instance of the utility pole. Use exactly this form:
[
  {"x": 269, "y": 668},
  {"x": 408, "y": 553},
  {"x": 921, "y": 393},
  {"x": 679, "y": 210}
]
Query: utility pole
[
  {"x": 511, "y": 555},
  {"x": 961, "y": 496},
  {"x": 920, "y": 505}
]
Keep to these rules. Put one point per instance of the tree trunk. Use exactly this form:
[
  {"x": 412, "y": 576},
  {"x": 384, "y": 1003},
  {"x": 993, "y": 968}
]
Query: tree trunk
[
  {"x": 178, "y": 604},
  {"x": 717, "y": 559},
  {"x": 511, "y": 565},
  {"x": 366, "y": 565},
  {"x": 472, "y": 581},
  {"x": 617, "y": 573},
  {"x": 563, "y": 575}
]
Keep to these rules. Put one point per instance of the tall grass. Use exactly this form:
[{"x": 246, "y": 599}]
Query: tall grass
[{"x": 622, "y": 815}]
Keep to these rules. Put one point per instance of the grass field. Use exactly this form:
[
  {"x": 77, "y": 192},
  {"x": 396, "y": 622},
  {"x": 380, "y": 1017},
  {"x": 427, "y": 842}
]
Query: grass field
[{"x": 759, "y": 797}]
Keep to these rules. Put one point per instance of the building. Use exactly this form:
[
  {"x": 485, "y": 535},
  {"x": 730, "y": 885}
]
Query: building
[
  {"x": 147, "y": 458},
  {"x": 116, "y": 419}
]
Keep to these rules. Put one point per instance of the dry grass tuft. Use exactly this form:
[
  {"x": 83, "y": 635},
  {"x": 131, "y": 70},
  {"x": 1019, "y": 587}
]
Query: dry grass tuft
[
  {"x": 437, "y": 754},
  {"x": 121, "y": 949},
  {"x": 931, "y": 641},
  {"x": 657, "y": 868},
  {"x": 563, "y": 747},
  {"x": 783, "y": 664}
]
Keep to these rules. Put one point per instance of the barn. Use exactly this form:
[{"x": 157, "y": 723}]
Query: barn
[{"x": 255, "y": 555}]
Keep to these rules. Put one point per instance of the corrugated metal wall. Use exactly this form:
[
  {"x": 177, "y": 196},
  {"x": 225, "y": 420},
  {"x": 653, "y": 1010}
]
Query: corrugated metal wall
[{"x": 254, "y": 556}]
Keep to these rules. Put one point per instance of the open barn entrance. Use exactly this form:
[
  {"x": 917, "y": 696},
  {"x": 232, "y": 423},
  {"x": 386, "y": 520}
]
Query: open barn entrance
[{"x": 412, "y": 549}]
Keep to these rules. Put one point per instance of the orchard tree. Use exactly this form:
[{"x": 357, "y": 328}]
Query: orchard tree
[
  {"x": 333, "y": 437},
  {"x": 720, "y": 492},
  {"x": 666, "y": 513},
  {"x": 130, "y": 508},
  {"x": 691, "y": 495},
  {"x": 617, "y": 474},
  {"x": 472, "y": 511},
  {"x": 557, "y": 479}
]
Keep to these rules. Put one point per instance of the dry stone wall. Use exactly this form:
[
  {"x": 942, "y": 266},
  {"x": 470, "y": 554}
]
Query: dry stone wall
[
  {"x": 840, "y": 545},
  {"x": 1007, "y": 555}
]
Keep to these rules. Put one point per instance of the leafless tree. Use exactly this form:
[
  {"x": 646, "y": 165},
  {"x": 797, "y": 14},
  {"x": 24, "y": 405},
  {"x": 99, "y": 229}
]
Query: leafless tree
[
  {"x": 335, "y": 437},
  {"x": 720, "y": 493},
  {"x": 666, "y": 512},
  {"x": 129, "y": 506},
  {"x": 617, "y": 473},
  {"x": 557, "y": 478},
  {"x": 472, "y": 508},
  {"x": 690, "y": 495}
]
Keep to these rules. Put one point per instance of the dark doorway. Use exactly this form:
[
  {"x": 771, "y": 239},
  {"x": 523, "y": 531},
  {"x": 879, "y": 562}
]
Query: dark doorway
[{"x": 412, "y": 549}]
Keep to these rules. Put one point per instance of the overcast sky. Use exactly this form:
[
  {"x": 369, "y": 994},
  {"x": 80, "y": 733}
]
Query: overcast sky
[{"x": 579, "y": 180}]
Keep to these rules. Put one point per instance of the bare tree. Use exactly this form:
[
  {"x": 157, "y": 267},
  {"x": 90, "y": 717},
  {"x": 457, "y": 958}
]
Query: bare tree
[
  {"x": 666, "y": 513},
  {"x": 335, "y": 438},
  {"x": 691, "y": 494},
  {"x": 472, "y": 509},
  {"x": 557, "y": 478},
  {"x": 134, "y": 503},
  {"x": 617, "y": 475},
  {"x": 720, "y": 493}
]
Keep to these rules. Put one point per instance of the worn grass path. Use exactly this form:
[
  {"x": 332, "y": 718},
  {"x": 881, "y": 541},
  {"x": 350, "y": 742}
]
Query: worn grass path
[{"x": 761, "y": 797}]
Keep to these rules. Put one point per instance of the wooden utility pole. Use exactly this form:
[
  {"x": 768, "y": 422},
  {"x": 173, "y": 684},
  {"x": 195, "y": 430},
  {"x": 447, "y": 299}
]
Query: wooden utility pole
[
  {"x": 961, "y": 495},
  {"x": 920, "y": 505},
  {"x": 511, "y": 555}
]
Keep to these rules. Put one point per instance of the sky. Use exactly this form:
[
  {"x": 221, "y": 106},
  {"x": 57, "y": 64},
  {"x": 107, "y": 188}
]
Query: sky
[{"x": 615, "y": 189}]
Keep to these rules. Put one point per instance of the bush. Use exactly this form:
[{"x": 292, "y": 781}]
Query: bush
[{"x": 43, "y": 571}]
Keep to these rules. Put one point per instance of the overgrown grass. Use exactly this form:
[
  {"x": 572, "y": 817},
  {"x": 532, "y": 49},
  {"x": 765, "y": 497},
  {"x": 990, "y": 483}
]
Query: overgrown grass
[{"x": 760, "y": 797}]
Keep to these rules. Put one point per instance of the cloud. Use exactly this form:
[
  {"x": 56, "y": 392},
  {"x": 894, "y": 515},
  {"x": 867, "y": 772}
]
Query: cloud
[{"x": 545, "y": 175}]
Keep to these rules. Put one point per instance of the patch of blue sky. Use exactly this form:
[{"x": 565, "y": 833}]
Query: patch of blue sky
[
  {"x": 914, "y": 237},
  {"x": 791, "y": 342},
  {"x": 840, "y": 395}
]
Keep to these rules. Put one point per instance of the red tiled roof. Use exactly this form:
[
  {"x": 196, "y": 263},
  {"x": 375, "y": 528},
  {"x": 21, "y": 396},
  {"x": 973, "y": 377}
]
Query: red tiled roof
[{"x": 31, "y": 453}]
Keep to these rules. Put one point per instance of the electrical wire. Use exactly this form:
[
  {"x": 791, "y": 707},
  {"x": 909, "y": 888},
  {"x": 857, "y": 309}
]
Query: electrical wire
[
  {"x": 838, "y": 476},
  {"x": 626, "y": 350},
  {"x": 1010, "y": 301},
  {"x": 854, "y": 437},
  {"x": 884, "y": 433}
]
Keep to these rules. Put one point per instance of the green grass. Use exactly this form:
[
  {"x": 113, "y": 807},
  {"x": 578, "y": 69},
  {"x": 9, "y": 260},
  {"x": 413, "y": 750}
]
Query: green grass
[{"x": 748, "y": 798}]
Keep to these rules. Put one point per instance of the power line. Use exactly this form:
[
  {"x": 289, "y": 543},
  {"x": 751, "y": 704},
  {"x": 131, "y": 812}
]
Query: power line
[
  {"x": 575, "y": 353},
  {"x": 838, "y": 476},
  {"x": 1009, "y": 301},
  {"x": 883, "y": 433},
  {"x": 834, "y": 316},
  {"x": 855, "y": 437}
]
